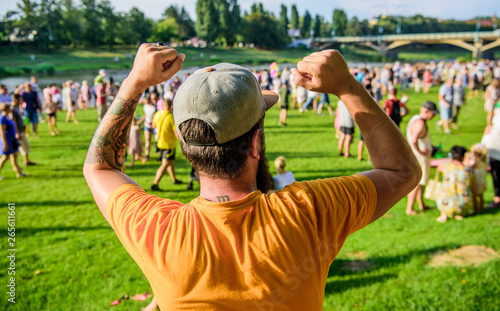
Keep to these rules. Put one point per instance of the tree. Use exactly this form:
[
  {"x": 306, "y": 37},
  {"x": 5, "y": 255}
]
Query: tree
[
  {"x": 72, "y": 22},
  {"x": 28, "y": 21},
  {"x": 317, "y": 26},
  {"x": 165, "y": 30},
  {"x": 133, "y": 27},
  {"x": 92, "y": 32},
  {"x": 207, "y": 22},
  {"x": 339, "y": 22},
  {"x": 353, "y": 27},
  {"x": 236, "y": 22},
  {"x": 263, "y": 31},
  {"x": 140, "y": 26},
  {"x": 306, "y": 25},
  {"x": 283, "y": 24},
  {"x": 186, "y": 25},
  {"x": 50, "y": 26},
  {"x": 295, "y": 17},
  {"x": 109, "y": 22}
]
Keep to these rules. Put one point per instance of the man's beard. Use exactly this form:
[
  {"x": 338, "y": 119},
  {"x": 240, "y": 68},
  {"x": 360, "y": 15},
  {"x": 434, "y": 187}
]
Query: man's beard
[{"x": 264, "y": 178}]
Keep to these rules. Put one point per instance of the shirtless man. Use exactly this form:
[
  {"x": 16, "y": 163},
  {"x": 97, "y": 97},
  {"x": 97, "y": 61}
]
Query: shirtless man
[{"x": 420, "y": 142}]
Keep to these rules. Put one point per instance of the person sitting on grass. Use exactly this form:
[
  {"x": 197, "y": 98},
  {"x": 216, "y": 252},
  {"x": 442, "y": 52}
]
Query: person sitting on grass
[
  {"x": 239, "y": 246},
  {"x": 9, "y": 145},
  {"x": 454, "y": 199}
]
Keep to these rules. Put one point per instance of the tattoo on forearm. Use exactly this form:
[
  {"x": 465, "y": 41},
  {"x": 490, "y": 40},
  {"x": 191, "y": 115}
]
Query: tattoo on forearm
[
  {"x": 223, "y": 198},
  {"x": 111, "y": 137}
]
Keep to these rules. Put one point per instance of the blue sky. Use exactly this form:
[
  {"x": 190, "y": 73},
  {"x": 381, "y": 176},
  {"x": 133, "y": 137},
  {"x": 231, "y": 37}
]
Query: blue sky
[{"x": 445, "y": 9}]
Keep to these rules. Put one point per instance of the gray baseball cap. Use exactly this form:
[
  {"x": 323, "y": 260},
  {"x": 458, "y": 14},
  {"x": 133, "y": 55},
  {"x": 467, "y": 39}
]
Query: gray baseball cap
[{"x": 226, "y": 96}]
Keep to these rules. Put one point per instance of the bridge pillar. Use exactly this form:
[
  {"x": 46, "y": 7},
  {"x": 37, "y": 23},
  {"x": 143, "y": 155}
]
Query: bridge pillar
[{"x": 478, "y": 52}]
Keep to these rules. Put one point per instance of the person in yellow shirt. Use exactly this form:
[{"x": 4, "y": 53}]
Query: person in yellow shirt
[
  {"x": 163, "y": 122},
  {"x": 239, "y": 246}
]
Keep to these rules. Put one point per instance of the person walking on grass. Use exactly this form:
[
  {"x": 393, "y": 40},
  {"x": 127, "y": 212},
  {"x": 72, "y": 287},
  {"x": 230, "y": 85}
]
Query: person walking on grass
[
  {"x": 458, "y": 102},
  {"x": 420, "y": 142},
  {"x": 69, "y": 99},
  {"x": 163, "y": 122},
  {"x": 149, "y": 109},
  {"x": 238, "y": 246},
  {"x": 395, "y": 108},
  {"x": 284, "y": 100},
  {"x": 100, "y": 100},
  {"x": 346, "y": 130},
  {"x": 51, "y": 109},
  {"x": 9, "y": 145},
  {"x": 30, "y": 98},
  {"x": 17, "y": 117},
  {"x": 446, "y": 105}
]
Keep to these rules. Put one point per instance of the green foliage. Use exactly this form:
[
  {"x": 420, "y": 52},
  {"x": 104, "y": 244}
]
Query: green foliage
[
  {"x": 339, "y": 22},
  {"x": 295, "y": 17},
  {"x": 305, "y": 29},
  {"x": 283, "y": 22},
  {"x": 263, "y": 31},
  {"x": 165, "y": 30},
  {"x": 357, "y": 28},
  {"x": 186, "y": 25},
  {"x": 48, "y": 24},
  {"x": 317, "y": 26},
  {"x": 208, "y": 21}
]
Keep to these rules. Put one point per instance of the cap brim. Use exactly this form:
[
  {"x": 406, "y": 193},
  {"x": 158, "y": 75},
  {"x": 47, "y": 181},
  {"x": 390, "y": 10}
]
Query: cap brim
[{"x": 270, "y": 98}]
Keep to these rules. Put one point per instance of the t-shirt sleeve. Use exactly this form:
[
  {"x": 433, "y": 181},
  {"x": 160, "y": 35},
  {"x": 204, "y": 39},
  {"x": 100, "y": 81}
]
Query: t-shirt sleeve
[
  {"x": 137, "y": 218},
  {"x": 442, "y": 89},
  {"x": 341, "y": 206}
]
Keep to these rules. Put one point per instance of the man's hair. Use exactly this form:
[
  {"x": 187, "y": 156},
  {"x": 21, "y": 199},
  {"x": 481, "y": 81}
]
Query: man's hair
[{"x": 225, "y": 161}]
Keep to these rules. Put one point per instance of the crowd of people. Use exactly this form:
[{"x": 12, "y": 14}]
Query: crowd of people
[{"x": 28, "y": 105}]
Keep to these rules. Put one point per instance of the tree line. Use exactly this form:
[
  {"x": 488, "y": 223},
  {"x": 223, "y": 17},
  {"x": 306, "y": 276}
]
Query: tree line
[{"x": 90, "y": 23}]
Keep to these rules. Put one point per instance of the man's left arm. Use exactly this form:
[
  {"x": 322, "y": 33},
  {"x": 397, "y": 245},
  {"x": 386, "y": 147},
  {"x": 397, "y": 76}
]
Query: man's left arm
[{"x": 102, "y": 170}]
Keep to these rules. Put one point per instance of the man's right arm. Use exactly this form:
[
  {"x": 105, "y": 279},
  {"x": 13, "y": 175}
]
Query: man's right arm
[{"x": 396, "y": 170}]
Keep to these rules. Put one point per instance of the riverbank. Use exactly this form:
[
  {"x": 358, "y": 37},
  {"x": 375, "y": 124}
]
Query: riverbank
[
  {"x": 66, "y": 60},
  {"x": 14, "y": 62}
]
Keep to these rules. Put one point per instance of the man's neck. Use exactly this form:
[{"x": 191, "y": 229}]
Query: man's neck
[{"x": 225, "y": 190}]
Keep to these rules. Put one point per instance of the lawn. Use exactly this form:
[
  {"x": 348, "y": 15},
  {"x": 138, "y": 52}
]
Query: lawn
[{"x": 68, "y": 258}]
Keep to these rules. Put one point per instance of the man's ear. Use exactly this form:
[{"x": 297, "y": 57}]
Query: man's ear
[{"x": 256, "y": 145}]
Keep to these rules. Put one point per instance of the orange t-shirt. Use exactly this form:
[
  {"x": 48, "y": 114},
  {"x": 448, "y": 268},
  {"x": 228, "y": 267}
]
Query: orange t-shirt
[{"x": 262, "y": 252}]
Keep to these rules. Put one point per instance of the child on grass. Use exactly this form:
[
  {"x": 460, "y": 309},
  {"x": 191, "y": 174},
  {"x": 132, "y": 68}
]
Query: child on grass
[
  {"x": 134, "y": 143},
  {"x": 51, "y": 107},
  {"x": 282, "y": 178},
  {"x": 477, "y": 161}
]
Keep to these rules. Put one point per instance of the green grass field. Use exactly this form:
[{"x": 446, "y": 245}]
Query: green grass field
[{"x": 68, "y": 258}]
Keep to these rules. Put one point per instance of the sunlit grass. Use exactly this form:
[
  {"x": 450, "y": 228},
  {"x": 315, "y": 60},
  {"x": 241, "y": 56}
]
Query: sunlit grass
[{"x": 82, "y": 266}]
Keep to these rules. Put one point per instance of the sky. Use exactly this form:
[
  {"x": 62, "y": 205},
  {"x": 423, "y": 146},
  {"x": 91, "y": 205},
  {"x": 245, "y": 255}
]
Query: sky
[{"x": 363, "y": 9}]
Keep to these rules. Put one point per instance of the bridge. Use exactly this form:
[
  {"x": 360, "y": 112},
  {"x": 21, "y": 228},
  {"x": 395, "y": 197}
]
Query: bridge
[{"x": 475, "y": 41}]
